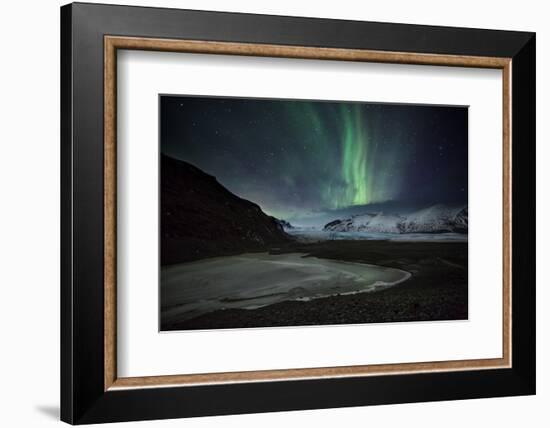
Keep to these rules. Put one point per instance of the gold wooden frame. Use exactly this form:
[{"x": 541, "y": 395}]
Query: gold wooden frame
[{"x": 113, "y": 43}]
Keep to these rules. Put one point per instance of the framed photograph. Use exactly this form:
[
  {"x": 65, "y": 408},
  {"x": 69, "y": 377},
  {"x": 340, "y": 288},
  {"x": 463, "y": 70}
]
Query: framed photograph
[{"x": 266, "y": 213}]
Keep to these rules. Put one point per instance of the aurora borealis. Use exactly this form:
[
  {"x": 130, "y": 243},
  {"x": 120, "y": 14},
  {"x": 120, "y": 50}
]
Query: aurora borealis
[{"x": 299, "y": 159}]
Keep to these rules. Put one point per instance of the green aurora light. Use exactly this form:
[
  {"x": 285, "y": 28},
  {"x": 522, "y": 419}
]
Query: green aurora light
[
  {"x": 360, "y": 178},
  {"x": 299, "y": 159}
]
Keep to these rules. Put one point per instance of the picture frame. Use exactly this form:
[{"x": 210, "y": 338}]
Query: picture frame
[{"x": 91, "y": 390}]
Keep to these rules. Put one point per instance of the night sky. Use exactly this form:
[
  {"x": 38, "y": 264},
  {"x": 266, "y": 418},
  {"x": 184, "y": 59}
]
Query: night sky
[{"x": 302, "y": 159}]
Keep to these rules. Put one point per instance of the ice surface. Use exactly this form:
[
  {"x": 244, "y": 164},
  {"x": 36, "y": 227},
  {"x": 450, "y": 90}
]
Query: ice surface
[
  {"x": 309, "y": 235},
  {"x": 253, "y": 280}
]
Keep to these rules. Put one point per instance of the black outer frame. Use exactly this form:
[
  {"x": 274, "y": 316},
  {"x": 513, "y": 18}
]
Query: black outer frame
[{"x": 83, "y": 399}]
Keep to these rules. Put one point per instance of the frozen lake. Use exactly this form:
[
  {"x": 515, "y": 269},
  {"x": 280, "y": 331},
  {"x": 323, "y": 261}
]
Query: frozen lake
[{"x": 250, "y": 281}]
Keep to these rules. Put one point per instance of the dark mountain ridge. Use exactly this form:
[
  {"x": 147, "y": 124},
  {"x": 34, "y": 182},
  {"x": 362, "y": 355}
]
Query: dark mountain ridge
[{"x": 201, "y": 218}]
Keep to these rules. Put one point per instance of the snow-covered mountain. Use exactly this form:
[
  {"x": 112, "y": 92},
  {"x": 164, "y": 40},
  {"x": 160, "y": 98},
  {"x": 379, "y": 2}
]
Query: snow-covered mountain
[
  {"x": 461, "y": 221},
  {"x": 434, "y": 219},
  {"x": 380, "y": 222}
]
